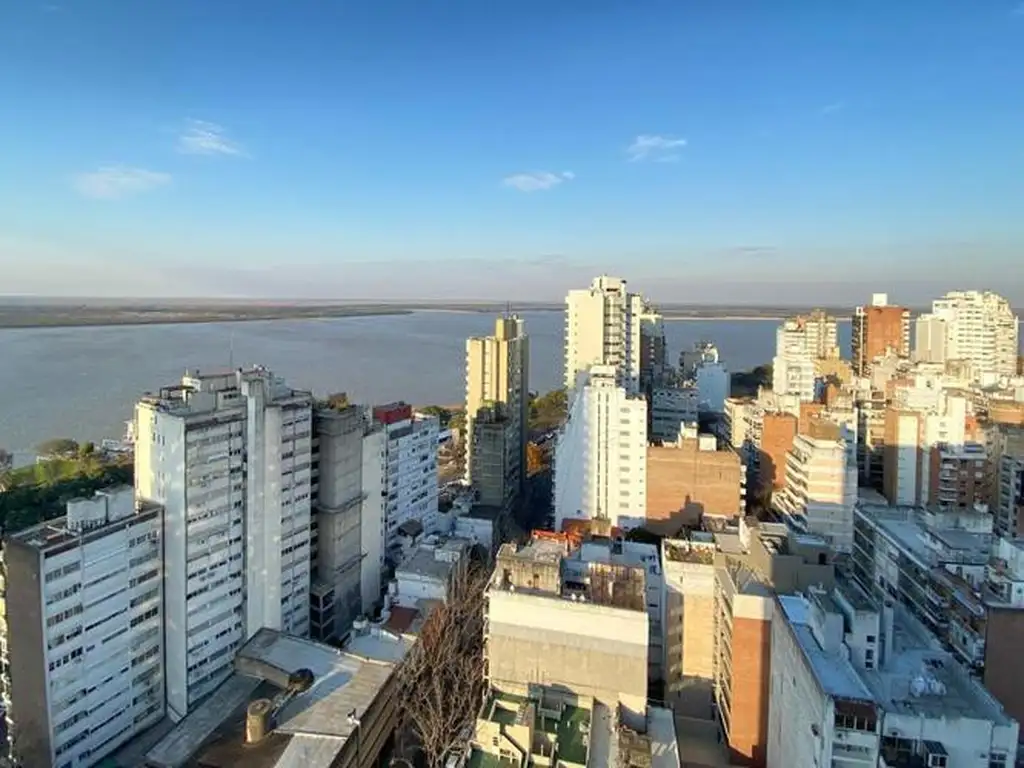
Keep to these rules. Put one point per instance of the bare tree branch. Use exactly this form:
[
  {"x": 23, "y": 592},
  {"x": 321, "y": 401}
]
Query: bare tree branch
[{"x": 441, "y": 683}]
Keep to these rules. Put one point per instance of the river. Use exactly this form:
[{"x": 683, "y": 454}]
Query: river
[{"x": 82, "y": 382}]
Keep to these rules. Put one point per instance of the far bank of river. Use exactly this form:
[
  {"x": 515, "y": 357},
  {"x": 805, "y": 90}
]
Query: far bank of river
[{"x": 82, "y": 382}]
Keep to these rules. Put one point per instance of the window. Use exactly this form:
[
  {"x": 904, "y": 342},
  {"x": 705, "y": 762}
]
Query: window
[{"x": 997, "y": 760}]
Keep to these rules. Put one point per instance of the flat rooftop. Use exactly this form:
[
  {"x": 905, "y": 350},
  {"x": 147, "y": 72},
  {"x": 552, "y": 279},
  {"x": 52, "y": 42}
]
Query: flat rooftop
[
  {"x": 434, "y": 562},
  {"x": 311, "y": 727},
  {"x": 906, "y": 526},
  {"x": 834, "y": 672},
  {"x": 916, "y": 656}
]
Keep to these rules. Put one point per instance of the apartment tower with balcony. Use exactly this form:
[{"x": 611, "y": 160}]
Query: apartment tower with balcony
[
  {"x": 879, "y": 329},
  {"x": 228, "y": 456}
]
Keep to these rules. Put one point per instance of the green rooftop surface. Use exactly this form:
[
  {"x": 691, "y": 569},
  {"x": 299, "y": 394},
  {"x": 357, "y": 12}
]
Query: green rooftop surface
[{"x": 570, "y": 735}]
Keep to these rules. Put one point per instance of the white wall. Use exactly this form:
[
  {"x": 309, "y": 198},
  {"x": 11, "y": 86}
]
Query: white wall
[{"x": 372, "y": 513}]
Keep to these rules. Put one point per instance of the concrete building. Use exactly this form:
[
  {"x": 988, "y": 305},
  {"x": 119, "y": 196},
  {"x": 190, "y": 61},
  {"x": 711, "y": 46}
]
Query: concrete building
[
  {"x": 498, "y": 372},
  {"x": 821, "y": 487},
  {"x": 981, "y": 330},
  {"x": 427, "y": 571},
  {"x": 602, "y": 327},
  {"x": 410, "y": 468},
  {"x": 228, "y": 455},
  {"x": 671, "y": 409},
  {"x": 1006, "y": 484},
  {"x": 871, "y": 688},
  {"x": 718, "y": 610},
  {"x": 82, "y": 631},
  {"x": 653, "y": 363},
  {"x": 347, "y": 531},
  {"x": 291, "y": 702},
  {"x": 879, "y": 329},
  {"x": 589, "y": 638},
  {"x": 496, "y": 447},
  {"x": 601, "y": 454},
  {"x": 930, "y": 560},
  {"x": 800, "y": 342},
  {"x": 930, "y": 335},
  {"x": 738, "y": 412},
  {"x": 692, "y": 478},
  {"x": 957, "y": 476}
]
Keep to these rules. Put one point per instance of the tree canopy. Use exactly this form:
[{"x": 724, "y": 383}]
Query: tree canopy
[
  {"x": 58, "y": 446},
  {"x": 549, "y": 410}
]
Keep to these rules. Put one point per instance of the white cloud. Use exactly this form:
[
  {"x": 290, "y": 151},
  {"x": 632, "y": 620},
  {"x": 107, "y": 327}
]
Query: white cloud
[
  {"x": 831, "y": 109},
  {"x": 536, "y": 181},
  {"x": 111, "y": 182},
  {"x": 203, "y": 138},
  {"x": 653, "y": 147}
]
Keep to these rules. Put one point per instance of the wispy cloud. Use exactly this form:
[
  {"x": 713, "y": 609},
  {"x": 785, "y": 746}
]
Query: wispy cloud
[
  {"x": 535, "y": 181},
  {"x": 831, "y": 109},
  {"x": 662, "y": 149},
  {"x": 111, "y": 182},
  {"x": 203, "y": 138}
]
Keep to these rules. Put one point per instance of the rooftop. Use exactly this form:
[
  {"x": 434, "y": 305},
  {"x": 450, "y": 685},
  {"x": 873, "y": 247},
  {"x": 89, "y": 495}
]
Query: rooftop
[
  {"x": 311, "y": 726},
  {"x": 834, "y": 672},
  {"x": 434, "y": 561},
  {"x": 908, "y": 527}
]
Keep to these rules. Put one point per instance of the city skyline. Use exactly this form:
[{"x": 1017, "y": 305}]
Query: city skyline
[{"x": 479, "y": 150}]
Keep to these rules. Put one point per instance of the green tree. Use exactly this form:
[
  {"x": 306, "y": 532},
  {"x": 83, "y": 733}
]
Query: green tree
[
  {"x": 549, "y": 410},
  {"x": 444, "y": 416},
  {"x": 59, "y": 446}
]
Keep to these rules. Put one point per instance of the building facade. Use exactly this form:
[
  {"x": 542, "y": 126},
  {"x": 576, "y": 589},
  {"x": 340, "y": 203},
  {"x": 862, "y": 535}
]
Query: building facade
[
  {"x": 82, "y": 631},
  {"x": 601, "y": 454},
  {"x": 879, "y": 329},
  {"x": 497, "y": 372},
  {"x": 602, "y": 327},
  {"x": 981, "y": 330},
  {"x": 229, "y": 457}
]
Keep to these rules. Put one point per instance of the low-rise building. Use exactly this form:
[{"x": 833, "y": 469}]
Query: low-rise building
[
  {"x": 719, "y": 593},
  {"x": 585, "y": 631},
  {"x": 81, "y": 631},
  {"x": 294, "y": 702},
  {"x": 856, "y": 685}
]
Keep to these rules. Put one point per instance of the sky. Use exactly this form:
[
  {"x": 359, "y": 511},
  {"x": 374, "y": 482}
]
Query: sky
[{"x": 712, "y": 151}]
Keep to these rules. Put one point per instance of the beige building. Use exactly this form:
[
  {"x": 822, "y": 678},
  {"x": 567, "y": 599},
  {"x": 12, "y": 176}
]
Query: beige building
[
  {"x": 821, "y": 486},
  {"x": 692, "y": 478},
  {"x": 585, "y": 634},
  {"x": 497, "y": 372},
  {"x": 719, "y": 590}
]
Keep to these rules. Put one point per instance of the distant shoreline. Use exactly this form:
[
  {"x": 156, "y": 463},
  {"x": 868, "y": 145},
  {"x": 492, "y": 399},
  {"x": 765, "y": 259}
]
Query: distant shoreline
[{"x": 733, "y": 318}]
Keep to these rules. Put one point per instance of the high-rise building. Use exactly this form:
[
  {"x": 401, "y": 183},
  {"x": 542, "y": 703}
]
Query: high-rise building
[
  {"x": 228, "y": 456},
  {"x": 602, "y": 327},
  {"x": 601, "y": 455},
  {"x": 496, "y": 448},
  {"x": 82, "y": 631},
  {"x": 929, "y": 339},
  {"x": 704, "y": 368},
  {"x": 652, "y": 349},
  {"x": 799, "y": 343},
  {"x": 1006, "y": 479},
  {"x": 346, "y": 539},
  {"x": 409, "y": 479},
  {"x": 981, "y": 330},
  {"x": 878, "y": 329},
  {"x": 497, "y": 372}
]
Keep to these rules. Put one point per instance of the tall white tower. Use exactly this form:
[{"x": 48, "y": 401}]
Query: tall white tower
[
  {"x": 981, "y": 329},
  {"x": 602, "y": 327}
]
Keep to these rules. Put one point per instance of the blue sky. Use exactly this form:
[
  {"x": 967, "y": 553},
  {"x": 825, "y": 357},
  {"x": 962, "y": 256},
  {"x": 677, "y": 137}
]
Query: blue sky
[{"x": 718, "y": 150}]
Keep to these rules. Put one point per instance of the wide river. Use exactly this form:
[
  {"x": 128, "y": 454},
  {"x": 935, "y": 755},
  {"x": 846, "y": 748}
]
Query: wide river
[{"x": 82, "y": 382}]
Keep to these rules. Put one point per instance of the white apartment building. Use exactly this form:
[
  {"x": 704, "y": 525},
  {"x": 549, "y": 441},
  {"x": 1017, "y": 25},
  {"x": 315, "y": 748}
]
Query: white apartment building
[
  {"x": 602, "y": 327},
  {"x": 799, "y": 342},
  {"x": 711, "y": 378},
  {"x": 671, "y": 409},
  {"x": 912, "y": 434},
  {"x": 410, "y": 469},
  {"x": 870, "y": 687},
  {"x": 601, "y": 454},
  {"x": 228, "y": 456},
  {"x": 821, "y": 490},
  {"x": 738, "y": 413},
  {"x": 82, "y": 630},
  {"x": 930, "y": 339},
  {"x": 981, "y": 329}
]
